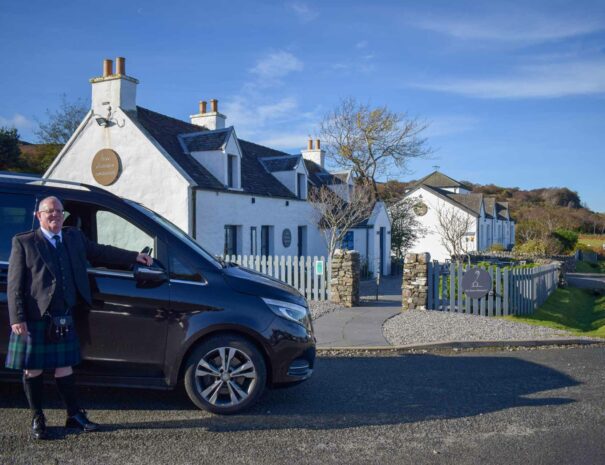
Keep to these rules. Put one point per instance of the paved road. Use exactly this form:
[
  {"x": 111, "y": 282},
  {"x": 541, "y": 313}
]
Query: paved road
[
  {"x": 586, "y": 280},
  {"x": 538, "y": 407}
]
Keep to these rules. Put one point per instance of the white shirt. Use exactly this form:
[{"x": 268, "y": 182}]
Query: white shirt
[{"x": 49, "y": 236}]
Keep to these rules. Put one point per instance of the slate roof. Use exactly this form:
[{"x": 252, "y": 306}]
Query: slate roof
[
  {"x": 177, "y": 137},
  {"x": 283, "y": 163},
  {"x": 205, "y": 140},
  {"x": 438, "y": 179},
  {"x": 318, "y": 176},
  {"x": 470, "y": 201},
  {"x": 502, "y": 210},
  {"x": 165, "y": 130},
  {"x": 489, "y": 204}
]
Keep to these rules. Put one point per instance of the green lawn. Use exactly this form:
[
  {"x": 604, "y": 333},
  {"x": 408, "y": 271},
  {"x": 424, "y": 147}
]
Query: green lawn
[
  {"x": 592, "y": 240},
  {"x": 585, "y": 267},
  {"x": 579, "y": 311}
]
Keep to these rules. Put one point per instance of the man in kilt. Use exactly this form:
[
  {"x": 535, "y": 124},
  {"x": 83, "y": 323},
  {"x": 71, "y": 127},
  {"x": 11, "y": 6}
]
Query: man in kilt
[{"x": 47, "y": 278}]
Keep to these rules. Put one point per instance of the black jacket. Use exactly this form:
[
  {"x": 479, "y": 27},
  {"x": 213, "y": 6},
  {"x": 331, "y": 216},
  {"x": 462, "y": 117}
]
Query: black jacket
[{"x": 31, "y": 273}]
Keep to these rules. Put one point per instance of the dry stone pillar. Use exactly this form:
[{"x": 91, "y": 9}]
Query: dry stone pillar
[
  {"x": 415, "y": 281},
  {"x": 344, "y": 280}
]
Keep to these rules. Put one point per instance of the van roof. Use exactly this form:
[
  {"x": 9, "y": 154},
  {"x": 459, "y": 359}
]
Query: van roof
[{"x": 35, "y": 180}]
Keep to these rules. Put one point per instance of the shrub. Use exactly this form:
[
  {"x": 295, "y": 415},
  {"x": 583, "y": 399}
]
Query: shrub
[
  {"x": 496, "y": 247},
  {"x": 567, "y": 238},
  {"x": 531, "y": 247}
]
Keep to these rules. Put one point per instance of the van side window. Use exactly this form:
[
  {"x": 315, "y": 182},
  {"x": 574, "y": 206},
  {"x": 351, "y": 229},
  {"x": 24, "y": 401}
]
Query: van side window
[
  {"x": 115, "y": 230},
  {"x": 182, "y": 271},
  {"x": 16, "y": 215}
]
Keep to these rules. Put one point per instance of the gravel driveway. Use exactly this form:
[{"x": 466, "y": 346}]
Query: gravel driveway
[{"x": 430, "y": 326}]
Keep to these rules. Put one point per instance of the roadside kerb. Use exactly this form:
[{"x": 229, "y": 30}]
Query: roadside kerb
[{"x": 467, "y": 345}]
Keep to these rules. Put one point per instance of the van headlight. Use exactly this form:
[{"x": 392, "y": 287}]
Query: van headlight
[{"x": 288, "y": 310}]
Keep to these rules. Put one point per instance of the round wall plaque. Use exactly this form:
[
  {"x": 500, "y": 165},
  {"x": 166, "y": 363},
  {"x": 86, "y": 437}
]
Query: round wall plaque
[
  {"x": 476, "y": 283},
  {"x": 106, "y": 167},
  {"x": 420, "y": 208},
  {"x": 286, "y": 238}
]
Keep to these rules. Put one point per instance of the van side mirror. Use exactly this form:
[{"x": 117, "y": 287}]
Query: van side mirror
[{"x": 149, "y": 276}]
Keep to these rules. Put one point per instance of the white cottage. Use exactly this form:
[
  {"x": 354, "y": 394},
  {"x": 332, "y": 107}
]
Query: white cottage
[
  {"x": 231, "y": 195},
  {"x": 489, "y": 220}
]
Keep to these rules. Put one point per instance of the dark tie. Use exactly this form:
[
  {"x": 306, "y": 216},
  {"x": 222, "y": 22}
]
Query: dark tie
[{"x": 57, "y": 239}]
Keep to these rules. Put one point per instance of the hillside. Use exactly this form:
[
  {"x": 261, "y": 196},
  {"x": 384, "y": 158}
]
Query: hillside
[{"x": 538, "y": 212}]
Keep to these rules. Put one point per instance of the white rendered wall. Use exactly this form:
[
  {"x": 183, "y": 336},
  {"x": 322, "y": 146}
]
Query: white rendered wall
[
  {"x": 431, "y": 242},
  {"x": 214, "y": 161},
  {"x": 147, "y": 175},
  {"x": 380, "y": 219},
  {"x": 115, "y": 92},
  {"x": 217, "y": 209}
]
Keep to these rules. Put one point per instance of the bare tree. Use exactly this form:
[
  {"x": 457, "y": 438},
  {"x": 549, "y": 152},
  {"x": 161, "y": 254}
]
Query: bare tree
[
  {"x": 453, "y": 227},
  {"x": 62, "y": 123},
  {"x": 405, "y": 228},
  {"x": 372, "y": 141},
  {"x": 334, "y": 216}
]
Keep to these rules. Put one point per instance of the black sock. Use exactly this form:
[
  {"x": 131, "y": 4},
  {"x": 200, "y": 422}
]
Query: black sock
[
  {"x": 67, "y": 390},
  {"x": 34, "y": 391}
]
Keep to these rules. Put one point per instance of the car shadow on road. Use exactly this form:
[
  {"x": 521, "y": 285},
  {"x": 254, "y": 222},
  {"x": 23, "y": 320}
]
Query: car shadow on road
[{"x": 349, "y": 392}]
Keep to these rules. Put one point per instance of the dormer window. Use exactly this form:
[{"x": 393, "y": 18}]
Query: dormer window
[
  {"x": 231, "y": 171},
  {"x": 301, "y": 185}
]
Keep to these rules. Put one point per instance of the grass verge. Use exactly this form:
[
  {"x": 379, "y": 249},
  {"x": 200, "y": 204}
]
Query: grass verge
[
  {"x": 585, "y": 267},
  {"x": 580, "y": 311}
]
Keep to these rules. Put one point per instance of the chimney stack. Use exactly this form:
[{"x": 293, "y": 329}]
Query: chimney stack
[
  {"x": 210, "y": 120},
  {"x": 316, "y": 155},
  {"x": 114, "y": 89},
  {"x": 107, "y": 68},
  {"x": 121, "y": 66}
]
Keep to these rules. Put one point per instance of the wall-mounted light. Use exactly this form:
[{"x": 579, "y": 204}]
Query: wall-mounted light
[{"x": 103, "y": 122}]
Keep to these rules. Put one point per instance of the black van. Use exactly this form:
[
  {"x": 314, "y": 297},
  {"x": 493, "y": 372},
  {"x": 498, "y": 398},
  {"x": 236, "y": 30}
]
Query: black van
[{"x": 226, "y": 332}]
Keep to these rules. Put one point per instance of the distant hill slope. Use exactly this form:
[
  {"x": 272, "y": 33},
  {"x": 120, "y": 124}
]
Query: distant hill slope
[{"x": 547, "y": 208}]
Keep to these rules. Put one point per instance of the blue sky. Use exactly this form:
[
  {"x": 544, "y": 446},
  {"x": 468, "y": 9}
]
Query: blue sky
[{"x": 513, "y": 91}]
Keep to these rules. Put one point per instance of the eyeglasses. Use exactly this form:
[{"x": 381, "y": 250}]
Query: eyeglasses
[{"x": 50, "y": 211}]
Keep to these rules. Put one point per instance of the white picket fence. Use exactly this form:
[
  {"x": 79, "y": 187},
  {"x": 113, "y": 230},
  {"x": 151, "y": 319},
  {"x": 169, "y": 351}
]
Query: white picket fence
[
  {"x": 514, "y": 292},
  {"x": 298, "y": 272}
]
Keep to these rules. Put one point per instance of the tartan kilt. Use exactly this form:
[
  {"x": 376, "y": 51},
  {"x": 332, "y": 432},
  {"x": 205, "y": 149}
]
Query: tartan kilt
[{"x": 34, "y": 352}]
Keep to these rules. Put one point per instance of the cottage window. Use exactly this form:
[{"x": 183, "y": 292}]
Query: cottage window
[
  {"x": 253, "y": 247},
  {"x": 348, "y": 241},
  {"x": 231, "y": 170},
  {"x": 230, "y": 240},
  {"x": 301, "y": 184},
  {"x": 266, "y": 241}
]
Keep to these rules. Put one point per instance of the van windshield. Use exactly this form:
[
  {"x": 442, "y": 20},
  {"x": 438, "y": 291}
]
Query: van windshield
[{"x": 174, "y": 229}]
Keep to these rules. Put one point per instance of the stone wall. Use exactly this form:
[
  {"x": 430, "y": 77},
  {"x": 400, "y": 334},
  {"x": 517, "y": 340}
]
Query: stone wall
[
  {"x": 415, "y": 281},
  {"x": 344, "y": 280}
]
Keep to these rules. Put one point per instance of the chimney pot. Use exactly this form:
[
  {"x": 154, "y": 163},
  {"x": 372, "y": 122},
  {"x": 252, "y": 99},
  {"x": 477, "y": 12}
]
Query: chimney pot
[
  {"x": 318, "y": 144},
  {"x": 202, "y": 106},
  {"x": 310, "y": 144},
  {"x": 214, "y": 105},
  {"x": 107, "y": 67},
  {"x": 121, "y": 66}
]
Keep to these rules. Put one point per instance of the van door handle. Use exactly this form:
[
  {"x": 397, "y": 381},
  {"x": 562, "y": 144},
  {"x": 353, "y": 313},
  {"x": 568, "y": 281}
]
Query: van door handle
[{"x": 161, "y": 314}]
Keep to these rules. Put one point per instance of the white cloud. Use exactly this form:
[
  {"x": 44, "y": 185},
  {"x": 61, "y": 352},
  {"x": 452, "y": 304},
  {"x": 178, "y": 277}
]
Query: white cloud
[
  {"x": 537, "y": 81},
  {"x": 446, "y": 125},
  {"x": 22, "y": 123},
  {"x": 277, "y": 65},
  {"x": 361, "y": 44},
  {"x": 284, "y": 141},
  {"x": 302, "y": 11},
  {"x": 512, "y": 26}
]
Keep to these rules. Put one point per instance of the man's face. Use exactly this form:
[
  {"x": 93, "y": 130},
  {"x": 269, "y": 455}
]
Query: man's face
[{"x": 50, "y": 215}]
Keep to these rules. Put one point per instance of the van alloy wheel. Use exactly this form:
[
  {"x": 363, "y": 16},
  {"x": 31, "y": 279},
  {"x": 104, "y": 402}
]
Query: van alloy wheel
[{"x": 225, "y": 374}]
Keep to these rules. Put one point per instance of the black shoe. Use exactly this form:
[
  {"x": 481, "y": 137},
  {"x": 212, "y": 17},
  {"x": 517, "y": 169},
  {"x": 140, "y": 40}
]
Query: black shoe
[
  {"x": 81, "y": 421},
  {"x": 39, "y": 427}
]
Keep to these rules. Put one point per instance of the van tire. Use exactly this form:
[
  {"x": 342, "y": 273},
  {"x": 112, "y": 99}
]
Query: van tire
[{"x": 225, "y": 374}]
